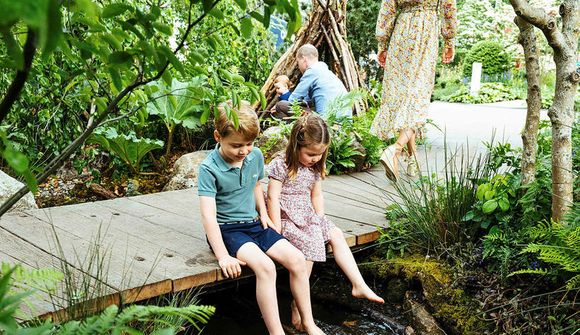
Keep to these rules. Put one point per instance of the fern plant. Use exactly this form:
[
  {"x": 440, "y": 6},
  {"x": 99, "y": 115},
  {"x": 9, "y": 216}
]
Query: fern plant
[{"x": 559, "y": 246}]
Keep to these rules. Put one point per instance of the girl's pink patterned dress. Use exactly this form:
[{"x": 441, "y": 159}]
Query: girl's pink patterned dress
[{"x": 305, "y": 229}]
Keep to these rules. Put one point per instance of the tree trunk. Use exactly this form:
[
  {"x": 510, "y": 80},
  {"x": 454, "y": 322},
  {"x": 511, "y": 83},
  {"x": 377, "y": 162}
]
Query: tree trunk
[
  {"x": 326, "y": 30},
  {"x": 527, "y": 39},
  {"x": 564, "y": 42}
]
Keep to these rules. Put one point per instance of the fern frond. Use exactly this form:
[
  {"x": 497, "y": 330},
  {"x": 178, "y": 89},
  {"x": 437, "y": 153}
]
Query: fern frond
[{"x": 573, "y": 282}]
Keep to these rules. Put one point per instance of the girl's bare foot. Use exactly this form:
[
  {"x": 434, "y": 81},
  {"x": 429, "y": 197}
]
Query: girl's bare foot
[
  {"x": 313, "y": 329},
  {"x": 365, "y": 292},
  {"x": 296, "y": 319}
]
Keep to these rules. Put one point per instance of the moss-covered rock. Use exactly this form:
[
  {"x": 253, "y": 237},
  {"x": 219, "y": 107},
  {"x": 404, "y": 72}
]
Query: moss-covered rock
[{"x": 451, "y": 306}]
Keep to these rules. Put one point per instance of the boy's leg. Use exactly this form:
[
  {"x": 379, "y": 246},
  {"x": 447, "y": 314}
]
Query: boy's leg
[
  {"x": 265, "y": 271},
  {"x": 347, "y": 264},
  {"x": 292, "y": 259}
]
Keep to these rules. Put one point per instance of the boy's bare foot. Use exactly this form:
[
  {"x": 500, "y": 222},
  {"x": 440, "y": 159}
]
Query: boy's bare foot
[
  {"x": 313, "y": 329},
  {"x": 296, "y": 319},
  {"x": 365, "y": 292}
]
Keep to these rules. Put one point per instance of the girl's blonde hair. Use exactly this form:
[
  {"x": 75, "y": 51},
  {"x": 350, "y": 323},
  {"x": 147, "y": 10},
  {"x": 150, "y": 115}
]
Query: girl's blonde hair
[
  {"x": 248, "y": 125},
  {"x": 283, "y": 79},
  {"x": 307, "y": 130}
]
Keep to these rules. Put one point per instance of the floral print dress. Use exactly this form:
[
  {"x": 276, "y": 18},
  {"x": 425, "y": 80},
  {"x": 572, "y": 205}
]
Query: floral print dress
[
  {"x": 305, "y": 229},
  {"x": 409, "y": 31}
]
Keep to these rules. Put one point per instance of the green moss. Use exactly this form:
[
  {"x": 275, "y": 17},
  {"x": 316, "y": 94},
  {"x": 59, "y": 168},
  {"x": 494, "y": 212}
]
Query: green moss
[{"x": 452, "y": 307}]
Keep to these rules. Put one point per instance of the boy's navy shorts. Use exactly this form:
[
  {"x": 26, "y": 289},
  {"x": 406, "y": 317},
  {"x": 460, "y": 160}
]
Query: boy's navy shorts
[{"x": 237, "y": 234}]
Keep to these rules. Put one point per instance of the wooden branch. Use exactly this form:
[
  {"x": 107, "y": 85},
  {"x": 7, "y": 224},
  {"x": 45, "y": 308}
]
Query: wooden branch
[
  {"x": 17, "y": 85},
  {"x": 539, "y": 18}
]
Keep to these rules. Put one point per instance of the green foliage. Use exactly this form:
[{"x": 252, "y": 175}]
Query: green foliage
[
  {"x": 111, "y": 321},
  {"x": 558, "y": 245},
  {"x": 433, "y": 207},
  {"x": 17, "y": 161},
  {"x": 341, "y": 154},
  {"x": 495, "y": 60},
  {"x": 396, "y": 238},
  {"x": 129, "y": 148},
  {"x": 494, "y": 200},
  {"x": 488, "y": 93},
  {"x": 484, "y": 21},
  {"x": 361, "y": 22}
]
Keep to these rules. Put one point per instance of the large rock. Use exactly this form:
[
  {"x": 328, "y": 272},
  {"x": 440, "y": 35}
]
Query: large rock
[
  {"x": 271, "y": 142},
  {"x": 185, "y": 171},
  {"x": 9, "y": 186}
]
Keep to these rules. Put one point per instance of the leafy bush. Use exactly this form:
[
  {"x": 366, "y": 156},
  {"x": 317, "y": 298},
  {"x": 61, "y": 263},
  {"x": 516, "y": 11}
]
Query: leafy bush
[
  {"x": 489, "y": 92},
  {"x": 129, "y": 148},
  {"x": 495, "y": 60}
]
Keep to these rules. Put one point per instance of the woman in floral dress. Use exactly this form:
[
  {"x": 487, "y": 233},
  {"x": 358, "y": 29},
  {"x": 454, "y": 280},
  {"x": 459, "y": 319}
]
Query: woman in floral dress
[{"x": 408, "y": 35}]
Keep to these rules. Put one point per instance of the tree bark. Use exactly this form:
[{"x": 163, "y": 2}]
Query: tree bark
[
  {"x": 564, "y": 42},
  {"x": 527, "y": 39},
  {"x": 17, "y": 84}
]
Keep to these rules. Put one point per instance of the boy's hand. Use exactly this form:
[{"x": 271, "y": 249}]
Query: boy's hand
[
  {"x": 267, "y": 222},
  {"x": 231, "y": 267}
]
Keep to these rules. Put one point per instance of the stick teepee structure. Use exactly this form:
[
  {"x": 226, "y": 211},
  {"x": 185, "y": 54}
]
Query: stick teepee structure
[{"x": 326, "y": 30}]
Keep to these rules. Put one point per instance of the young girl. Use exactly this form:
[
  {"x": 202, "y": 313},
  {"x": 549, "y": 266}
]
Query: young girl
[{"x": 296, "y": 206}]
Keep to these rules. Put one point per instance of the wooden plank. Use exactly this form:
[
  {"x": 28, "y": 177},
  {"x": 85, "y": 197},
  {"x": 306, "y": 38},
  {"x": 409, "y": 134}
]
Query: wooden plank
[
  {"x": 130, "y": 261},
  {"x": 170, "y": 264},
  {"x": 354, "y": 203},
  {"x": 15, "y": 250},
  {"x": 364, "y": 233},
  {"x": 353, "y": 213}
]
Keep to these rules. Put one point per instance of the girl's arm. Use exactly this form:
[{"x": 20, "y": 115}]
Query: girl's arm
[
  {"x": 261, "y": 207},
  {"x": 317, "y": 198},
  {"x": 274, "y": 190},
  {"x": 230, "y": 266}
]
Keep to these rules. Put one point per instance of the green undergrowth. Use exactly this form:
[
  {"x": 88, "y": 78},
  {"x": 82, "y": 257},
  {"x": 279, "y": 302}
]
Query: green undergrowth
[{"x": 450, "y": 305}]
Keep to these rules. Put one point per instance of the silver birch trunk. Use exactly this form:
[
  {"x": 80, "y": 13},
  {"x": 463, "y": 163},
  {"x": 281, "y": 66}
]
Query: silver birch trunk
[{"x": 564, "y": 41}]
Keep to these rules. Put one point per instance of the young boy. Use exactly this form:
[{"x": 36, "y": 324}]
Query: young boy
[
  {"x": 236, "y": 222},
  {"x": 282, "y": 85}
]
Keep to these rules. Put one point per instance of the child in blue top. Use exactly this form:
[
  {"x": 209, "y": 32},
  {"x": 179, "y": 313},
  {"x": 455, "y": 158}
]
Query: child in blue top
[
  {"x": 282, "y": 85},
  {"x": 236, "y": 221}
]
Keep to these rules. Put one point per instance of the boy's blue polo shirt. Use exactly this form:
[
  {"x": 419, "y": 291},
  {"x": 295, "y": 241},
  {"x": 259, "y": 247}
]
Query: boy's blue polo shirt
[{"x": 232, "y": 187}]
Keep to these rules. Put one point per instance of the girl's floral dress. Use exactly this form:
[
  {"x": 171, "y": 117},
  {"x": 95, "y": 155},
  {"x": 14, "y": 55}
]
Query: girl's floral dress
[
  {"x": 409, "y": 31},
  {"x": 305, "y": 229}
]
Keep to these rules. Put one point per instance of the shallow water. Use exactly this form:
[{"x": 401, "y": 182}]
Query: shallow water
[{"x": 335, "y": 310}]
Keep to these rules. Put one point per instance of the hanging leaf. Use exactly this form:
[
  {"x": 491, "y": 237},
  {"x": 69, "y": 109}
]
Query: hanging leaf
[
  {"x": 113, "y": 10},
  {"x": 246, "y": 27},
  {"x": 119, "y": 57}
]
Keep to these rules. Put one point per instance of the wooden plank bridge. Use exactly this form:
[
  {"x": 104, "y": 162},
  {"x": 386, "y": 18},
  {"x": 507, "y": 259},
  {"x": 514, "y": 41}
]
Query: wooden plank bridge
[{"x": 154, "y": 244}]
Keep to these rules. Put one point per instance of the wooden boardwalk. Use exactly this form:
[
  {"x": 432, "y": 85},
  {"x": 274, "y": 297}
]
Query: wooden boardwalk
[{"x": 154, "y": 244}]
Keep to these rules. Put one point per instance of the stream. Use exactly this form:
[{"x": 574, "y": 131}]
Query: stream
[{"x": 335, "y": 310}]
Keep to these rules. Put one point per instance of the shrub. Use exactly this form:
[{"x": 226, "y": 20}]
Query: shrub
[
  {"x": 495, "y": 60},
  {"x": 489, "y": 92}
]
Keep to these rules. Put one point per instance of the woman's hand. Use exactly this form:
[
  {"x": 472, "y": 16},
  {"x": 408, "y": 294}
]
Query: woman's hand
[
  {"x": 448, "y": 54},
  {"x": 382, "y": 58}
]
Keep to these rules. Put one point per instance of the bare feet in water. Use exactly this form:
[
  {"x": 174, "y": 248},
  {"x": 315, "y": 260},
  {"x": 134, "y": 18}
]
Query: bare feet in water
[
  {"x": 296, "y": 319},
  {"x": 365, "y": 292}
]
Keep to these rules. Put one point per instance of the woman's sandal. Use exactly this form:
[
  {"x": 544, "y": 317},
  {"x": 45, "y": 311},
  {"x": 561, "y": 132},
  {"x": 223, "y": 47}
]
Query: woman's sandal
[{"x": 388, "y": 161}]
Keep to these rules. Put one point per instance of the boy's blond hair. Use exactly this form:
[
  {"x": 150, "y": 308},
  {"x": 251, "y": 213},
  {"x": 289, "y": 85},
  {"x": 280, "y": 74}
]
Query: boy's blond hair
[
  {"x": 248, "y": 125},
  {"x": 284, "y": 80}
]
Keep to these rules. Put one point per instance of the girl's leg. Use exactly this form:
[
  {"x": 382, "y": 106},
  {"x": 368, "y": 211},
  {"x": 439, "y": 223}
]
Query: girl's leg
[
  {"x": 265, "y": 271},
  {"x": 296, "y": 319},
  {"x": 347, "y": 264},
  {"x": 292, "y": 259}
]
